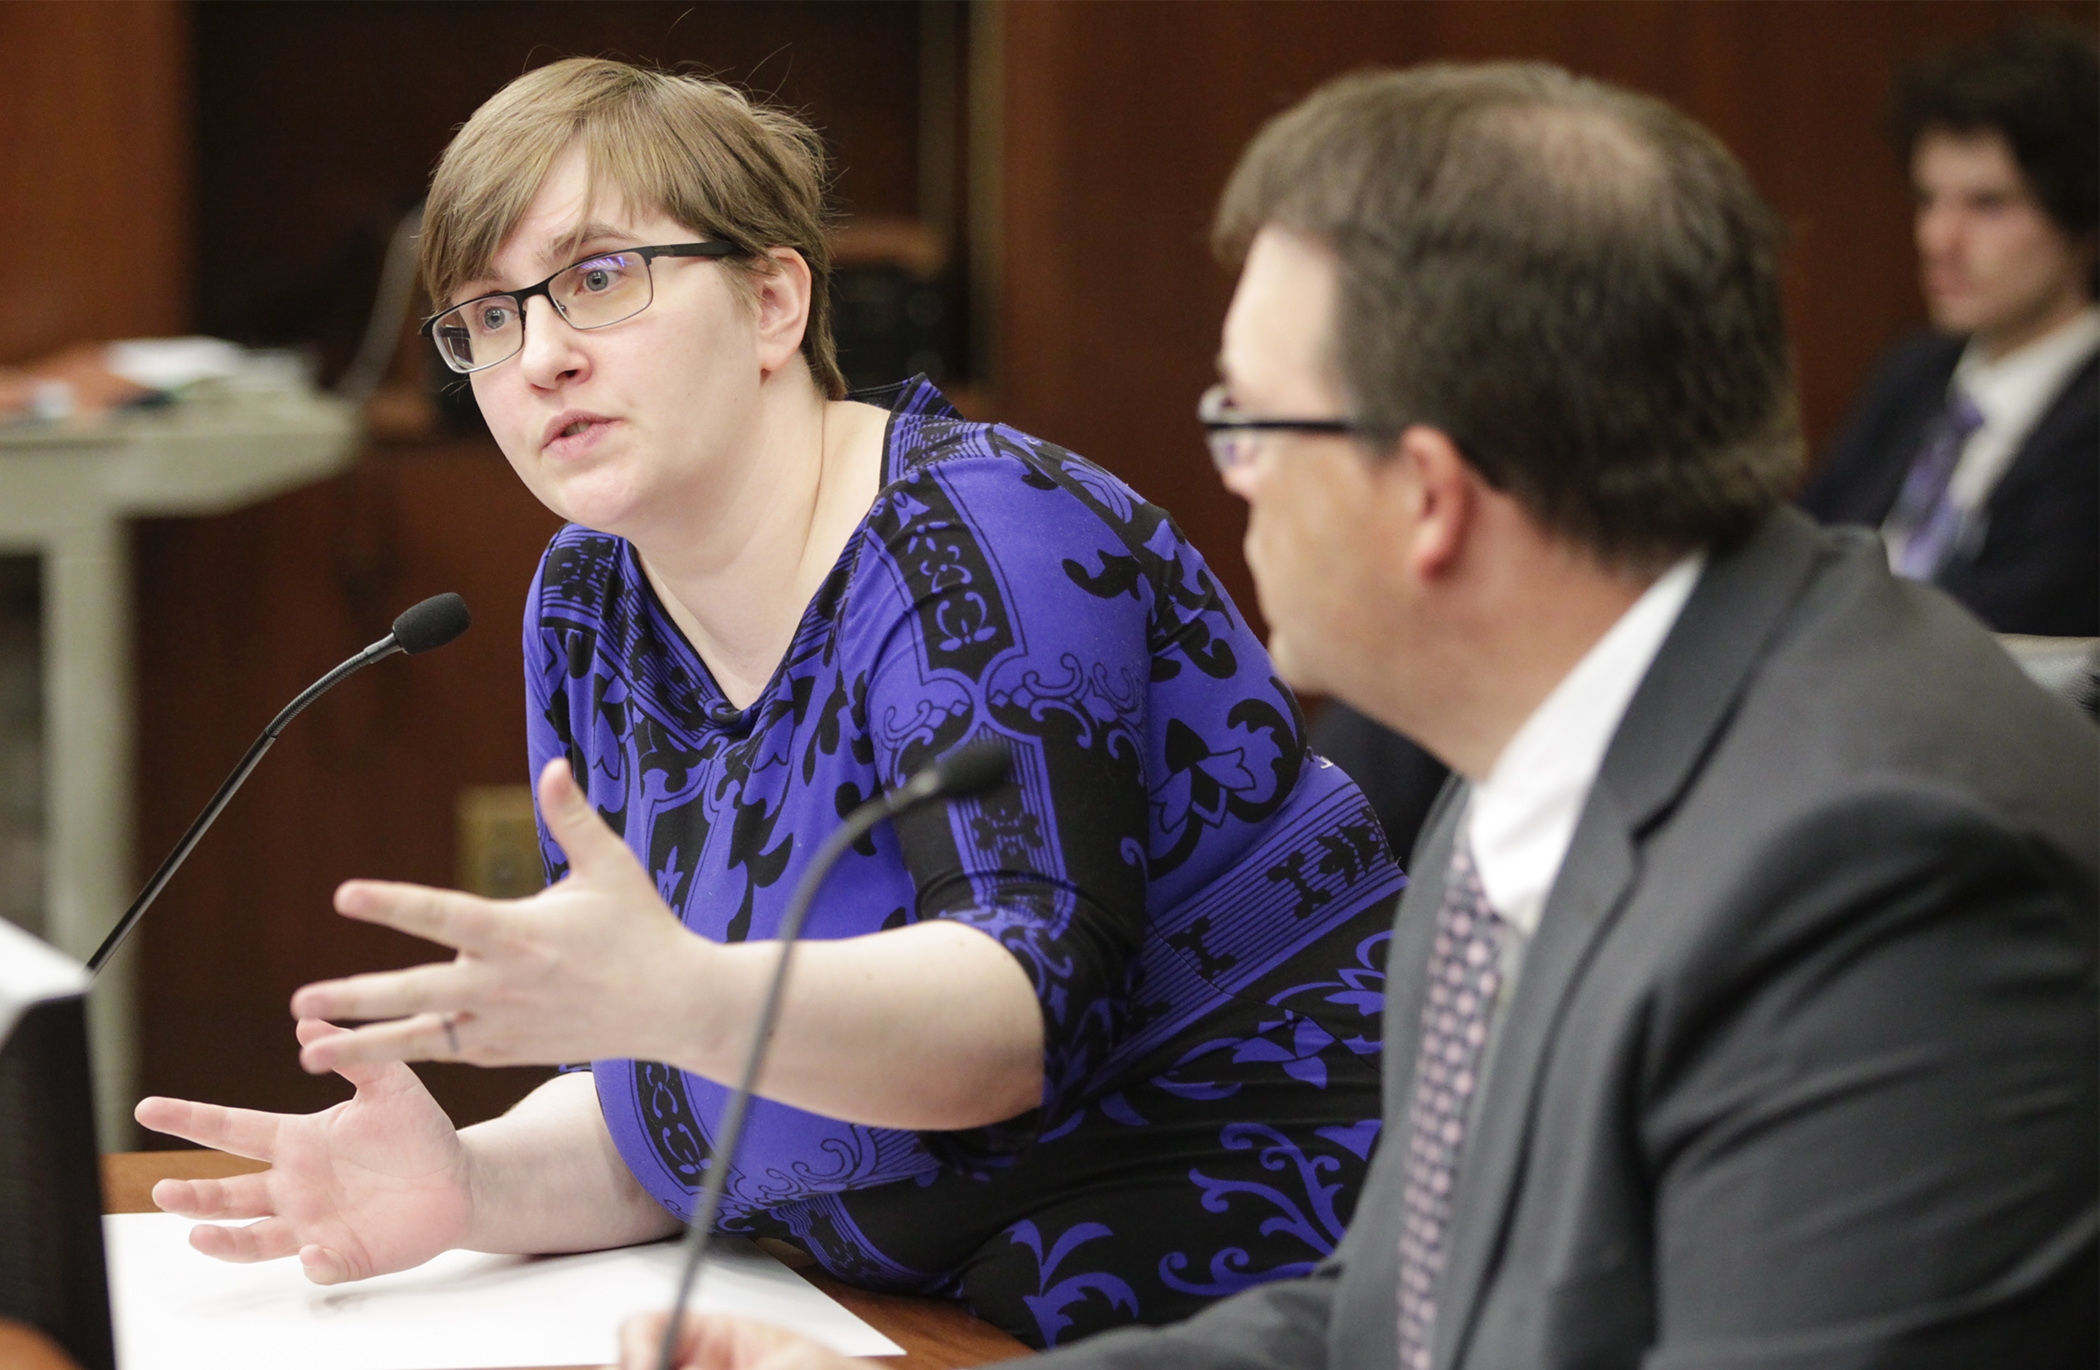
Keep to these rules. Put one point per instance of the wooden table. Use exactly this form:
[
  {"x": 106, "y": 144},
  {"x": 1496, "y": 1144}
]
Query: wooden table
[{"x": 935, "y": 1334}]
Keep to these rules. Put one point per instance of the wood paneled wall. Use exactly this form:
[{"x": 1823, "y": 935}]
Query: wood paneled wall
[
  {"x": 1122, "y": 122},
  {"x": 94, "y": 173},
  {"x": 318, "y": 123}
]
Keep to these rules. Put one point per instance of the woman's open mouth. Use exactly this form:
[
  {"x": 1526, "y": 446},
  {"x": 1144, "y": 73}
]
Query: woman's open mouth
[{"x": 572, "y": 430}]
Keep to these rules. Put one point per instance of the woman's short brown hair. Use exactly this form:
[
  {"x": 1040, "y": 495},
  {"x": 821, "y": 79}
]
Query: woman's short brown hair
[{"x": 696, "y": 149}]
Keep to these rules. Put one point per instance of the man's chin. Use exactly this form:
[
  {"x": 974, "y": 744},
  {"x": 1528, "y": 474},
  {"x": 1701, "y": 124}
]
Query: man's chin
[
  {"x": 1954, "y": 316},
  {"x": 1291, "y": 665}
]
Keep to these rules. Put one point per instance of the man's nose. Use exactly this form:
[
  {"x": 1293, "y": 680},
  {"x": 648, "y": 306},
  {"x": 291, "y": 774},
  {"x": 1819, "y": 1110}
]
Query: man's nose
[
  {"x": 1938, "y": 229},
  {"x": 1243, "y": 476}
]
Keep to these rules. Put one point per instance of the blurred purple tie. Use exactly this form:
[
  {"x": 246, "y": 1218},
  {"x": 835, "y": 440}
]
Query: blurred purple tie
[
  {"x": 1465, "y": 977},
  {"x": 1925, "y": 516}
]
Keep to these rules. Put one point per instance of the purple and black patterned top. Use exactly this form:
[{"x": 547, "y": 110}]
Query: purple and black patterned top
[{"x": 1200, "y": 903}]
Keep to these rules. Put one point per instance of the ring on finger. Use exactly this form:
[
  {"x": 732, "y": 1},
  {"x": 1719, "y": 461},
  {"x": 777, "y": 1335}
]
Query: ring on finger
[{"x": 451, "y": 1022}]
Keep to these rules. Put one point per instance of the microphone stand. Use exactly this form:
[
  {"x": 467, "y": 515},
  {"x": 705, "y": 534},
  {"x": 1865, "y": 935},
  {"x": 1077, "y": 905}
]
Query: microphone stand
[
  {"x": 970, "y": 769},
  {"x": 429, "y": 624}
]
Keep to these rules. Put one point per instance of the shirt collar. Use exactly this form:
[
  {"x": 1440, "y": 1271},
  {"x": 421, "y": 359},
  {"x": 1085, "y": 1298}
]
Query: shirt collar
[
  {"x": 2012, "y": 391},
  {"x": 1522, "y": 817}
]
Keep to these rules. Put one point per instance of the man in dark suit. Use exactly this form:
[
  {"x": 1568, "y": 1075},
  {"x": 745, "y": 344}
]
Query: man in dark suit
[
  {"x": 1976, "y": 448},
  {"x": 1743, "y": 1012}
]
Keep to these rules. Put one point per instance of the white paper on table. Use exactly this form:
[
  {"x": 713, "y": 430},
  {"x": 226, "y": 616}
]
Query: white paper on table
[{"x": 176, "y": 1309}]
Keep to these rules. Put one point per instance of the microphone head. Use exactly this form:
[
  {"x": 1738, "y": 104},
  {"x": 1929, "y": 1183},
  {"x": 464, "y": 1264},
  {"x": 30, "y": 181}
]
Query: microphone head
[
  {"x": 433, "y": 623},
  {"x": 971, "y": 768}
]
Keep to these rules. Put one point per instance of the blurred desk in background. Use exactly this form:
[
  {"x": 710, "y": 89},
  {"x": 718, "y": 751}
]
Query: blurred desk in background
[{"x": 65, "y": 494}]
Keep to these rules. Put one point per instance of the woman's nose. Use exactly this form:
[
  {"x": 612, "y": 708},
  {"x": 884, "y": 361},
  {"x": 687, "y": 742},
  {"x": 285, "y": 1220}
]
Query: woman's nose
[{"x": 551, "y": 352}]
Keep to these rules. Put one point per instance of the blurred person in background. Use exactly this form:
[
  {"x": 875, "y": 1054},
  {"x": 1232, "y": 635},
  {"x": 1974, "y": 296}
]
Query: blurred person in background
[{"x": 1975, "y": 448}]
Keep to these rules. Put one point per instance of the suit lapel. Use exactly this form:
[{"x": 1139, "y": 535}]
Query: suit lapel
[
  {"x": 1677, "y": 712},
  {"x": 2039, "y": 458}
]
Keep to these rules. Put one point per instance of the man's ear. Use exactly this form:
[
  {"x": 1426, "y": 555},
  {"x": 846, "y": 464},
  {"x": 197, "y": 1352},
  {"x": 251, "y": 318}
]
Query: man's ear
[
  {"x": 782, "y": 301},
  {"x": 1445, "y": 496}
]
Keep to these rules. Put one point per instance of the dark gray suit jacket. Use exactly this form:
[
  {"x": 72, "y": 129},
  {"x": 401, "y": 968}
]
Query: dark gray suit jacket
[{"x": 1801, "y": 1067}]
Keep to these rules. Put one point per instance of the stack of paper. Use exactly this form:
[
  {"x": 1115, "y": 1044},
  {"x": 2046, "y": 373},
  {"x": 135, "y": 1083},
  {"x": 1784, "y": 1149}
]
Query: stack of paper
[{"x": 178, "y": 1310}]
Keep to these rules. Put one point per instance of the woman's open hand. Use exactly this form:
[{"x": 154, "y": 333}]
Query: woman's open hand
[
  {"x": 598, "y": 967},
  {"x": 593, "y": 966},
  {"x": 375, "y": 1184}
]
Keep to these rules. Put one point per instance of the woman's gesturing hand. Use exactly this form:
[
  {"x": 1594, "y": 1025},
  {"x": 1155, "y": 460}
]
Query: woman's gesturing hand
[
  {"x": 375, "y": 1184},
  {"x": 594, "y": 966}
]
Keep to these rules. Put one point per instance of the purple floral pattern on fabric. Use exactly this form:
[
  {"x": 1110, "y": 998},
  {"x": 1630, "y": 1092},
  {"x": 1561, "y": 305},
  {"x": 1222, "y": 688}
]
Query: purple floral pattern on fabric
[{"x": 1192, "y": 894}]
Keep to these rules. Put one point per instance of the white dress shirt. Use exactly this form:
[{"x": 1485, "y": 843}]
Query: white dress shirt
[
  {"x": 1521, "y": 819},
  {"x": 2012, "y": 393}
]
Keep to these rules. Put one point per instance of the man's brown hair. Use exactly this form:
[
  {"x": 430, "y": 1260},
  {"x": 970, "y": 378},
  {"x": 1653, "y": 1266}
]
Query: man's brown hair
[
  {"x": 1576, "y": 284},
  {"x": 2036, "y": 84},
  {"x": 697, "y": 149}
]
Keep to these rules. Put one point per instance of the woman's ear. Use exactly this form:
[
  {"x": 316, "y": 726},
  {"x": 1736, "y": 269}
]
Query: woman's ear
[{"x": 783, "y": 301}]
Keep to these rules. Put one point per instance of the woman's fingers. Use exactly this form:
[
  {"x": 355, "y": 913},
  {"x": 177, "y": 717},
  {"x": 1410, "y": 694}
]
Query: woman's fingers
[
  {"x": 325, "y": 1265},
  {"x": 241, "y": 1196},
  {"x": 464, "y": 922},
  {"x": 359, "y": 1056},
  {"x": 383, "y": 994},
  {"x": 315, "y": 1030},
  {"x": 242, "y": 1131},
  {"x": 533, "y": 977},
  {"x": 268, "y": 1240},
  {"x": 260, "y": 1241},
  {"x": 363, "y": 1063},
  {"x": 574, "y": 825}
]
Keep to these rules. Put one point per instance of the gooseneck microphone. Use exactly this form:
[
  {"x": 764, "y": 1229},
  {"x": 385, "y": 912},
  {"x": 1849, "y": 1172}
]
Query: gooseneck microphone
[
  {"x": 433, "y": 623},
  {"x": 970, "y": 769}
]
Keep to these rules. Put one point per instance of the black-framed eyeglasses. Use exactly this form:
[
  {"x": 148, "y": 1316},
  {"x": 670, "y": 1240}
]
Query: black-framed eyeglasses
[
  {"x": 1233, "y": 436},
  {"x": 602, "y": 289}
]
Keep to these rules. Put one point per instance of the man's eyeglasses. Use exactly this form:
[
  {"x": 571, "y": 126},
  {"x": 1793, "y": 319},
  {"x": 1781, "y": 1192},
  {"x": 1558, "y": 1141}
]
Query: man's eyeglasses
[
  {"x": 1233, "y": 436},
  {"x": 597, "y": 291}
]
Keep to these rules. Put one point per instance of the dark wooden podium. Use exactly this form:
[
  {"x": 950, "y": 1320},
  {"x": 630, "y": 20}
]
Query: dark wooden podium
[{"x": 935, "y": 1335}]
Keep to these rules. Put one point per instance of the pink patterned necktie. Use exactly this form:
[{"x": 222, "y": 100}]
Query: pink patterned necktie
[{"x": 1465, "y": 978}]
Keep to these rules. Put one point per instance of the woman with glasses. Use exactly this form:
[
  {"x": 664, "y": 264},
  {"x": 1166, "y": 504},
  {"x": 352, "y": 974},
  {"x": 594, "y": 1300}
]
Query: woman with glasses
[{"x": 1096, "y": 1047}]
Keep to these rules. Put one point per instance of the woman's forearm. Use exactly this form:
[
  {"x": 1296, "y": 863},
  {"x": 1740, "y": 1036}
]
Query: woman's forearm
[
  {"x": 546, "y": 1177},
  {"x": 932, "y": 1027}
]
